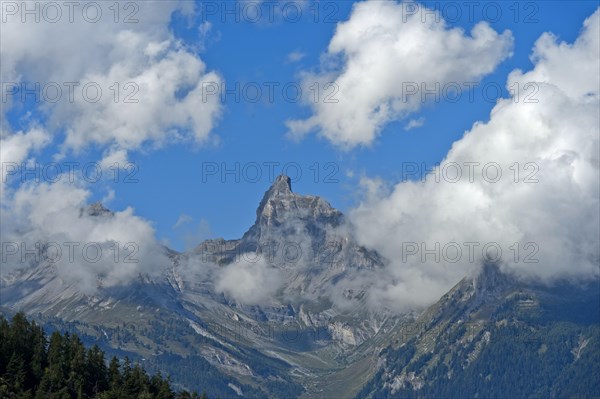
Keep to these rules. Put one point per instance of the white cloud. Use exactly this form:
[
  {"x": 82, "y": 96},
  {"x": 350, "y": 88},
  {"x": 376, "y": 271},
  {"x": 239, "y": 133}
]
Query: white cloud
[
  {"x": 378, "y": 52},
  {"x": 249, "y": 282},
  {"x": 558, "y": 135},
  {"x": 159, "y": 115},
  {"x": 295, "y": 56},
  {"x": 114, "y": 157},
  {"x": 143, "y": 62},
  {"x": 159, "y": 84},
  {"x": 207, "y": 36},
  {"x": 192, "y": 234},
  {"x": 414, "y": 123},
  {"x": 51, "y": 213},
  {"x": 14, "y": 150},
  {"x": 183, "y": 219}
]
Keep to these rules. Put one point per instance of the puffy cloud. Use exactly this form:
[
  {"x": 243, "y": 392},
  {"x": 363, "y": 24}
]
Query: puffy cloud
[
  {"x": 16, "y": 147},
  {"x": 87, "y": 249},
  {"x": 551, "y": 129},
  {"x": 144, "y": 88},
  {"x": 151, "y": 84},
  {"x": 249, "y": 282},
  {"x": 158, "y": 114},
  {"x": 374, "y": 57}
]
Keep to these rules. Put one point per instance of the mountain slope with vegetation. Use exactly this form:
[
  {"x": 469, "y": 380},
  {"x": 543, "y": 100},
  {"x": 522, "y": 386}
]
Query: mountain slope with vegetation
[
  {"x": 32, "y": 366},
  {"x": 495, "y": 337}
]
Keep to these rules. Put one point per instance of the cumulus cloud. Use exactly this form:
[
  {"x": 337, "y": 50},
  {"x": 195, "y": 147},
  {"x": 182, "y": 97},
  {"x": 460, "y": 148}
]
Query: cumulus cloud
[
  {"x": 373, "y": 58},
  {"x": 102, "y": 75},
  {"x": 545, "y": 142},
  {"x": 88, "y": 250},
  {"x": 15, "y": 148},
  {"x": 119, "y": 85},
  {"x": 249, "y": 282}
]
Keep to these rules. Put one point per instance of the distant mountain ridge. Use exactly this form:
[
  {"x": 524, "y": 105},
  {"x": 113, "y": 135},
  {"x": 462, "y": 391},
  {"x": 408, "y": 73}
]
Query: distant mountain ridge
[
  {"x": 301, "y": 237},
  {"x": 316, "y": 335}
]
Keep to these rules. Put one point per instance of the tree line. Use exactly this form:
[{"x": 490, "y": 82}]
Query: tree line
[{"x": 61, "y": 367}]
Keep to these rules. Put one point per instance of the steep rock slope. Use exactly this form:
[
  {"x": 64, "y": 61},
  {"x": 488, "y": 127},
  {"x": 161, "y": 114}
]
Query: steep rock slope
[{"x": 493, "y": 336}]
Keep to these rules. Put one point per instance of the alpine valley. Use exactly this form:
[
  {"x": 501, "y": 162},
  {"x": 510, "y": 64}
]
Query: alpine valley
[{"x": 310, "y": 331}]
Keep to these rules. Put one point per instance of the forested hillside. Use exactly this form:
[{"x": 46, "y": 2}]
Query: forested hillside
[
  {"x": 33, "y": 366},
  {"x": 496, "y": 338}
]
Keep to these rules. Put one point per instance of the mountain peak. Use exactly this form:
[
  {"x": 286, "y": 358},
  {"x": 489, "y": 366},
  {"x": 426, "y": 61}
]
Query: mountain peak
[
  {"x": 95, "y": 210},
  {"x": 491, "y": 279},
  {"x": 282, "y": 184},
  {"x": 279, "y": 204},
  {"x": 281, "y": 188}
]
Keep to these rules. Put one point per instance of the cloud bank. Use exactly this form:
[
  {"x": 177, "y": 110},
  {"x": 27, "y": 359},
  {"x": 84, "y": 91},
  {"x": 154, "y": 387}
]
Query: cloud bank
[
  {"x": 546, "y": 200},
  {"x": 89, "y": 250}
]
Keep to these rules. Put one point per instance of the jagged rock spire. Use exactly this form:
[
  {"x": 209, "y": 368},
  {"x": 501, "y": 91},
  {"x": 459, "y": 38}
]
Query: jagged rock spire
[
  {"x": 281, "y": 187},
  {"x": 282, "y": 184},
  {"x": 280, "y": 205}
]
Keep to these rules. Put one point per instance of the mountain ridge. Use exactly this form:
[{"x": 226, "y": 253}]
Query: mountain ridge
[{"x": 317, "y": 335}]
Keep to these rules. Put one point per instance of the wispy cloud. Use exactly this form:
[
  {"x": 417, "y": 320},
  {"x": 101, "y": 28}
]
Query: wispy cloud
[
  {"x": 295, "y": 56},
  {"x": 414, "y": 123}
]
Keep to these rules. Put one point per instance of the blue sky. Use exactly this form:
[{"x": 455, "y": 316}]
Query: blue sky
[{"x": 170, "y": 180}]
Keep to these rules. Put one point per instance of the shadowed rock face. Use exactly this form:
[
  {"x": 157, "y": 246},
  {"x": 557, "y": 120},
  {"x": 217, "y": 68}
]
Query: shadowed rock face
[
  {"x": 492, "y": 282},
  {"x": 96, "y": 209}
]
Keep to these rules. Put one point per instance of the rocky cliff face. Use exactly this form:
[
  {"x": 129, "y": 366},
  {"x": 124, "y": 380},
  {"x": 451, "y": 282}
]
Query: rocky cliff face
[
  {"x": 304, "y": 236},
  {"x": 280, "y": 205},
  {"x": 322, "y": 301}
]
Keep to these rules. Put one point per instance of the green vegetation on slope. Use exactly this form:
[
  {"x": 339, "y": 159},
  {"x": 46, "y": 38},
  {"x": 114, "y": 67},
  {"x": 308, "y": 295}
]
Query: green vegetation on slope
[
  {"x": 538, "y": 343},
  {"x": 62, "y": 368}
]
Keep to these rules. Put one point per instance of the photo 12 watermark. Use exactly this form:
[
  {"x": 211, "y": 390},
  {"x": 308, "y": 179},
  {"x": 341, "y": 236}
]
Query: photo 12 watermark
[
  {"x": 470, "y": 172},
  {"x": 54, "y": 252},
  {"x": 468, "y": 252},
  {"x": 268, "y": 171},
  {"x": 332, "y": 12},
  {"x": 269, "y": 12},
  {"x": 270, "y": 92},
  {"x": 472, "y": 92},
  {"x": 71, "y": 12},
  {"x": 71, "y": 92},
  {"x": 70, "y": 171},
  {"x": 331, "y": 252},
  {"x": 284, "y": 251},
  {"x": 306, "y": 92}
]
